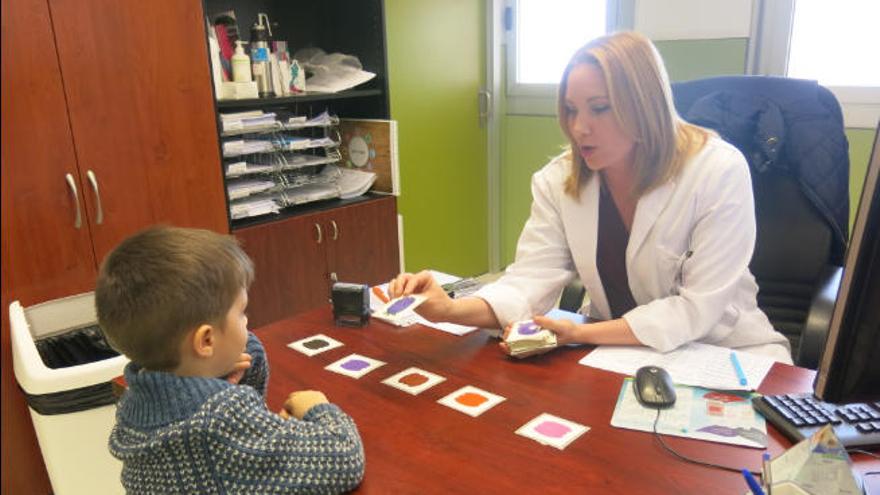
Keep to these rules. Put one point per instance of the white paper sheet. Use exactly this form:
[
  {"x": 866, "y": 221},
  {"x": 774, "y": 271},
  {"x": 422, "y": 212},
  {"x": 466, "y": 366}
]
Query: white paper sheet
[{"x": 697, "y": 364}]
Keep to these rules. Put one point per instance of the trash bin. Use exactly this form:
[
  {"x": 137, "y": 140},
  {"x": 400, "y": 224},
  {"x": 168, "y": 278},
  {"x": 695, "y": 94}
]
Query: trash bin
[{"x": 65, "y": 368}]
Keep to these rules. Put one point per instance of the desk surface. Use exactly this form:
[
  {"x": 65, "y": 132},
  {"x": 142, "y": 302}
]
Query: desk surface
[{"x": 415, "y": 445}]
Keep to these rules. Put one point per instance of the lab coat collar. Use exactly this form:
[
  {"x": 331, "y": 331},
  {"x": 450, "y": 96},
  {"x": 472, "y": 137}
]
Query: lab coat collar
[{"x": 648, "y": 209}]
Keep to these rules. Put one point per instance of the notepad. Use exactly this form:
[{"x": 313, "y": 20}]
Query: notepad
[{"x": 698, "y": 364}]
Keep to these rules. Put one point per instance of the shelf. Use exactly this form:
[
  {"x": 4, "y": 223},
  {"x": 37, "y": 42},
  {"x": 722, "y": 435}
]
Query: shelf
[
  {"x": 291, "y": 211},
  {"x": 287, "y": 100}
]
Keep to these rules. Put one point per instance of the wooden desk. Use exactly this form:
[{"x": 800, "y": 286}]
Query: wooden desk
[{"x": 415, "y": 445}]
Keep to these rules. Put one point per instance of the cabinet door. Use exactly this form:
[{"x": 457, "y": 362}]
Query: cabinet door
[
  {"x": 139, "y": 92},
  {"x": 362, "y": 245},
  {"x": 291, "y": 269},
  {"x": 45, "y": 254}
]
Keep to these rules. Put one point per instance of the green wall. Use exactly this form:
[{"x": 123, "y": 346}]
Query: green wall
[
  {"x": 860, "y": 142},
  {"x": 687, "y": 59},
  {"x": 527, "y": 141},
  {"x": 436, "y": 58}
]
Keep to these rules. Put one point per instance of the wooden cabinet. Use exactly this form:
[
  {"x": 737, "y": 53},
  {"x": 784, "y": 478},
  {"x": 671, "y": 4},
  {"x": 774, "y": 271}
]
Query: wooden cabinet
[
  {"x": 108, "y": 117},
  {"x": 295, "y": 258},
  {"x": 111, "y": 133}
]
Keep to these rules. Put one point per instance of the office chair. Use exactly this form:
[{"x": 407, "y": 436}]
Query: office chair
[{"x": 791, "y": 131}]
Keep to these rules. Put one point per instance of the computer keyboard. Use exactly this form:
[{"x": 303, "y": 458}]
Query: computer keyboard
[
  {"x": 462, "y": 287},
  {"x": 798, "y": 416}
]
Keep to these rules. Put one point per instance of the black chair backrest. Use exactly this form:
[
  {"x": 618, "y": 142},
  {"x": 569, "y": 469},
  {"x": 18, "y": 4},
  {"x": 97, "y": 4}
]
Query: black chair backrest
[{"x": 801, "y": 212}]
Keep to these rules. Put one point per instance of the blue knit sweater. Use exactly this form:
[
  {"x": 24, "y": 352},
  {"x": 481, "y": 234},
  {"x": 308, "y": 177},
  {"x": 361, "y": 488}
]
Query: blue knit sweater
[{"x": 178, "y": 434}]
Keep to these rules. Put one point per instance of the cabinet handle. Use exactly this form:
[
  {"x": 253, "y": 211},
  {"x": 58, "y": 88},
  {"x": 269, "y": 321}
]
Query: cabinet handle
[
  {"x": 77, "y": 223},
  {"x": 94, "y": 181},
  {"x": 335, "y": 229},
  {"x": 320, "y": 236}
]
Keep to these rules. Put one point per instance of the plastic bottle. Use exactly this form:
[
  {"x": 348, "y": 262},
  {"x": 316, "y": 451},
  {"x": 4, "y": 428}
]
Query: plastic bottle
[{"x": 241, "y": 64}]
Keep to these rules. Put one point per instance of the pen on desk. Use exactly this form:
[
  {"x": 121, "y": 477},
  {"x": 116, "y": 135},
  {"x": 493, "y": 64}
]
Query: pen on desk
[
  {"x": 766, "y": 477},
  {"x": 753, "y": 484},
  {"x": 739, "y": 371},
  {"x": 380, "y": 294}
]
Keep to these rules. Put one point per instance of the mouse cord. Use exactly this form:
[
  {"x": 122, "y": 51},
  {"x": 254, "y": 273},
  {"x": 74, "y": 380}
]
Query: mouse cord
[{"x": 689, "y": 459}]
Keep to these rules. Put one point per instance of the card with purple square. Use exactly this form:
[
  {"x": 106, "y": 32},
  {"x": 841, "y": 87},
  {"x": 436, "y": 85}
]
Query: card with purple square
[{"x": 354, "y": 365}]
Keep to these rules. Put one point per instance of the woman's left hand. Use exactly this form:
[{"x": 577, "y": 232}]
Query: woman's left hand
[{"x": 565, "y": 330}]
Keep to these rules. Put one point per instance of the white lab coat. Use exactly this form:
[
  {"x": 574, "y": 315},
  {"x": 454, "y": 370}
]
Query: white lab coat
[{"x": 687, "y": 258}]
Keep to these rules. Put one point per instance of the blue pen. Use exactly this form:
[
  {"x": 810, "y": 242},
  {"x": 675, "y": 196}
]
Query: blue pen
[
  {"x": 752, "y": 482},
  {"x": 738, "y": 369}
]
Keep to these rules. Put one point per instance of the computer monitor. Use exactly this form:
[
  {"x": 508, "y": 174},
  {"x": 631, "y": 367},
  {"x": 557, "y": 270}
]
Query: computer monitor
[{"x": 849, "y": 370}]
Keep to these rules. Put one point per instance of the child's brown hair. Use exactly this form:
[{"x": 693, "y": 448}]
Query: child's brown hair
[{"x": 162, "y": 282}]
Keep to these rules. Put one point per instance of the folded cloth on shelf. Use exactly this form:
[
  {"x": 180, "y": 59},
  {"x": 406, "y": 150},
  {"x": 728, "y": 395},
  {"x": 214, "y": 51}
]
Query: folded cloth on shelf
[{"x": 333, "y": 72}]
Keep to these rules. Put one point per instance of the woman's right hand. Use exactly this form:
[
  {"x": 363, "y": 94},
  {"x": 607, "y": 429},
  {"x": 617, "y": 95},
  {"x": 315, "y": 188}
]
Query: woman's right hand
[{"x": 437, "y": 307}]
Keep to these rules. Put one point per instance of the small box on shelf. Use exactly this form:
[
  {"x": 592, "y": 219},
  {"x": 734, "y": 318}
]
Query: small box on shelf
[{"x": 231, "y": 90}]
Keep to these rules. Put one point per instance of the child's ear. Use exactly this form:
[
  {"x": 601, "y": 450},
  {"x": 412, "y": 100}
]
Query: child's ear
[{"x": 203, "y": 340}]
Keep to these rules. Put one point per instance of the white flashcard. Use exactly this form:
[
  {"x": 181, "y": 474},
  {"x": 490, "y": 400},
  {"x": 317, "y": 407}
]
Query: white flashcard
[
  {"x": 528, "y": 330},
  {"x": 354, "y": 365},
  {"x": 399, "y": 307},
  {"x": 315, "y": 344},
  {"x": 551, "y": 430},
  {"x": 413, "y": 380},
  {"x": 471, "y": 400}
]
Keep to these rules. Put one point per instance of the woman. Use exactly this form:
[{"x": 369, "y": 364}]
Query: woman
[{"x": 654, "y": 214}]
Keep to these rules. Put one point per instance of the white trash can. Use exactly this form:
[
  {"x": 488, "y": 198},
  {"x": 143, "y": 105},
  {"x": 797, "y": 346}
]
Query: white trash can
[{"x": 72, "y": 407}]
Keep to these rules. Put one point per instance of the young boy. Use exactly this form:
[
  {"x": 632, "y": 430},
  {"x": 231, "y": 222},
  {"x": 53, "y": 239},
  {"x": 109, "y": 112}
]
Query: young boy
[{"x": 194, "y": 419}]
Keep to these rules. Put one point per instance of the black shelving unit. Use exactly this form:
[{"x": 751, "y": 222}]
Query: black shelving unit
[
  {"x": 353, "y": 27},
  {"x": 287, "y": 101}
]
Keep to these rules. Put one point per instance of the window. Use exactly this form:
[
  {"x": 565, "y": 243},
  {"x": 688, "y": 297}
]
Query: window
[
  {"x": 835, "y": 43},
  {"x": 542, "y": 35},
  {"x": 549, "y": 31}
]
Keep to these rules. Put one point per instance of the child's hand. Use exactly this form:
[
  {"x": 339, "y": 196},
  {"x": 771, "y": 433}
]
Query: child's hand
[
  {"x": 243, "y": 363},
  {"x": 299, "y": 403}
]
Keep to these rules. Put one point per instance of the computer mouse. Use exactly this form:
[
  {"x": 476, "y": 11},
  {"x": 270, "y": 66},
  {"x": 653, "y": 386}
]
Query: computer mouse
[{"x": 654, "y": 388}]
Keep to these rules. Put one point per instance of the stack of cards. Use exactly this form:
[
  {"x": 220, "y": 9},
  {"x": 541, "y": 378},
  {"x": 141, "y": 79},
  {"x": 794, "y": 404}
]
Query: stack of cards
[
  {"x": 526, "y": 338},
  {"x": 399, "y": 311}
]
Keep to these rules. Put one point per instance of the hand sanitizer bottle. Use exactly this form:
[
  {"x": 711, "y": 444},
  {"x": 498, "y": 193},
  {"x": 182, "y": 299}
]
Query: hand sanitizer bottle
[{"x": 241, "y": 64}]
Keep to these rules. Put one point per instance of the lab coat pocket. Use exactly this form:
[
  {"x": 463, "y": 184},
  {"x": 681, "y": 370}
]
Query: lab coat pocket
[
  {"x": 671, "y": 269},
  {"x": 725, "y": 326}
]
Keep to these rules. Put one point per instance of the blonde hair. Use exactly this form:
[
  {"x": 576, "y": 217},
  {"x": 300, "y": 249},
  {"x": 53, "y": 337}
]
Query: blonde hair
[
  {"x": 162, "y": 282},
  {"x": 641, "y": 102}
]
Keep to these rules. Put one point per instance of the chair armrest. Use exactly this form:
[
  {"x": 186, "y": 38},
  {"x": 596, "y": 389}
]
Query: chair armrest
[
  {"x": 572, "y": 296},
  {"x": 819, "y": 318}
]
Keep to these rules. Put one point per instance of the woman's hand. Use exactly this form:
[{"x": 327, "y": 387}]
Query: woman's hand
[
  {"x": 438, "y": 305},
  {"x": 565, "y": 331}
]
